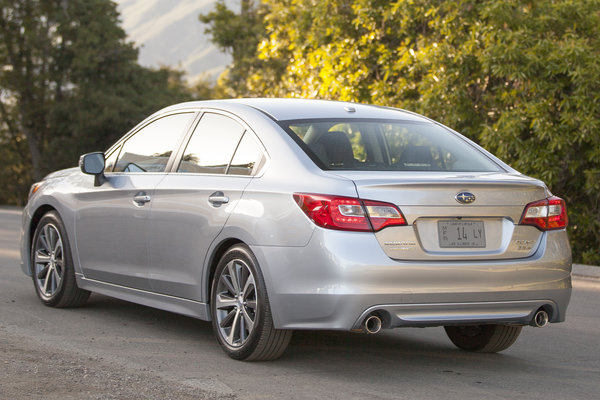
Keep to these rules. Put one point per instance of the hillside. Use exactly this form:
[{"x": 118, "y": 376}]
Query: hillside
[{"x": 169, "y": 33}]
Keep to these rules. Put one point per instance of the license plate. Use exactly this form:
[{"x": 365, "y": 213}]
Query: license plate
[{"x": 461, "y": 234}]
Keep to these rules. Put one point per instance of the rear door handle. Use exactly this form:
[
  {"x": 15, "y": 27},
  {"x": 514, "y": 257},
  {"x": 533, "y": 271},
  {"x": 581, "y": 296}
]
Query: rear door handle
[
  {"x": 141, "y": 198},
  {"x": 217, "y": 199}
]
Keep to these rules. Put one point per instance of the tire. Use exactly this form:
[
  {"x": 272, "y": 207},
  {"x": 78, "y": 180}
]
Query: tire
[
  {"x": 52, "y": 265},
  {"x": 241, "y": 315},
  {"x": 483, "y": 338}
]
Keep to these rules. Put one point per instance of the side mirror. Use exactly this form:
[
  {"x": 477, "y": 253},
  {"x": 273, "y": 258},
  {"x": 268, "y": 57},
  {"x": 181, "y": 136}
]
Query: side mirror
[{"x": 93, "y": 164}]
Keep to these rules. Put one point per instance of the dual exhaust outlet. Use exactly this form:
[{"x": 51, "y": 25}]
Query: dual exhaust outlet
[{"x": 373, "y": 324}]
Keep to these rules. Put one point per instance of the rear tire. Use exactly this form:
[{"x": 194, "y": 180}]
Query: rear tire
[
  {"x": 483, "y": 338},
  {"x": 52, "y": 265},
  {"x": 241, "y": 315}
]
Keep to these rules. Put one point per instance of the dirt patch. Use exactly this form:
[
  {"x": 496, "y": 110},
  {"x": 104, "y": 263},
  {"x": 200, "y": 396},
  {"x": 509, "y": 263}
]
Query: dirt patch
[{"x": 30, "y": 370}]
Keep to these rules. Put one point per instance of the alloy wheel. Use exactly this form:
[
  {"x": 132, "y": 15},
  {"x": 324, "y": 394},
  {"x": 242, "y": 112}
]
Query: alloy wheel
[
  {"x": 48, "y": 258},
  {"x": 236, "y": 303}
]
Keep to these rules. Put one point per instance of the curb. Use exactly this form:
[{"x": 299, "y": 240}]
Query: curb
[{"x": 586, "y": 271}]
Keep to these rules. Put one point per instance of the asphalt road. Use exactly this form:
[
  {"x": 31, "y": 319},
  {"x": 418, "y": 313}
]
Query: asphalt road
[{"x": 111, "y": 349}]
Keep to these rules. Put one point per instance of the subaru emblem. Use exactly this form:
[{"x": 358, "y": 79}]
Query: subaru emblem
[{"x": 465, "y": 197}]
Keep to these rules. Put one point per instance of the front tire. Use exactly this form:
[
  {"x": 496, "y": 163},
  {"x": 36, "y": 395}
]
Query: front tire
[
  {"x": 483, "y": 338},
  {"x": 52, "y": 265},
  {"x": 241, "y": 315}
]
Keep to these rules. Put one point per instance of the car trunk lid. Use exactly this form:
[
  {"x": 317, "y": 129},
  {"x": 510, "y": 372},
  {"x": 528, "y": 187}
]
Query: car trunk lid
[{"x": 440, "y": 226}]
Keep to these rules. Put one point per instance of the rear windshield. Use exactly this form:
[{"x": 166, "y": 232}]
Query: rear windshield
[{"x": 386, "y": 146}]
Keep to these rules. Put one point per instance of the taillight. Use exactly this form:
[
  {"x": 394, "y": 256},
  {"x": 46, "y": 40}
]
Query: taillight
[
  {"x": 547, "y": 214},
  {"x": 349, "y": 213}
]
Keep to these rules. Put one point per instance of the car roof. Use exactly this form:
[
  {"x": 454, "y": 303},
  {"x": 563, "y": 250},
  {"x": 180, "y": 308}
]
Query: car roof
[{"x": 281, "y": 109}]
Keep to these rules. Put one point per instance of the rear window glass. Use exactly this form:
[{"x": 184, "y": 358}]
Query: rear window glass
[{"x": 386, "y": 146}]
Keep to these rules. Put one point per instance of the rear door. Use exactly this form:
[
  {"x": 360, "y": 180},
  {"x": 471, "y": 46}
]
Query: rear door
[
  {"x": 193, "y": 202},
  {"x": 113, "y": 219}
]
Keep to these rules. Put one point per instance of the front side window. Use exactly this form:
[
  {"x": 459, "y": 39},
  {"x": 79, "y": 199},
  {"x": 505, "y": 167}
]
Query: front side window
[
  {"x": 386, "y": 145},
  {"x": 149, "y": 149},
  {"x": 109, "y": 164},
  {"x": 212, "y": 145}
]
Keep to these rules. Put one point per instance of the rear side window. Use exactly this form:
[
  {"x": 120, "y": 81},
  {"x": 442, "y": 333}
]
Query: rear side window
[
  {"x": 386, "y": 145},
  {"x": 149, "y": 149},
  {"x": 212, "y": 145},
  {"x": 247, "y": 158}
]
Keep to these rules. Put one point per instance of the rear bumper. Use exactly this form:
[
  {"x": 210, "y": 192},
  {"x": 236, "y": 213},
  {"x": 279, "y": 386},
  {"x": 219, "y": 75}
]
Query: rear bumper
[{"x": 341, "y": 277}]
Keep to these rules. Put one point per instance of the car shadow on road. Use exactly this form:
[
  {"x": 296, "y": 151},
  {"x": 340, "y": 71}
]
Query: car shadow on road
[{"x": 397, "y": 346}]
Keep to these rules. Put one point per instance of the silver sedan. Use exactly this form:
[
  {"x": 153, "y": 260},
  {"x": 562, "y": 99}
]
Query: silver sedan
[{"x": 269, "y": 215}]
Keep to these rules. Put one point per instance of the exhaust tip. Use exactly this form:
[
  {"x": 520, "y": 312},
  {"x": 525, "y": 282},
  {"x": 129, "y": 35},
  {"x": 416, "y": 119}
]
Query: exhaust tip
[
  {"x": 372, "y": 324},
  {"x": 540, "y": 319}
]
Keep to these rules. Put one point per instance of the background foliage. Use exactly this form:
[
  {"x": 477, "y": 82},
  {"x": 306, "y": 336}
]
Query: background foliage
[
  {"x": 69, "y": 84},
  {"x": 522, "y": 78}
]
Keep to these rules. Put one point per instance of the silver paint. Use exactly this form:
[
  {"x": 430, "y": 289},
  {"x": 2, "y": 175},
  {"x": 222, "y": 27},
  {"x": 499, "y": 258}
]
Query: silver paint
[{"x": 159, "y": 251}]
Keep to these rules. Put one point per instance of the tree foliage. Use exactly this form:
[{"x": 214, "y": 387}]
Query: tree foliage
[
  {"x": 70, "y": 83},
  {"x": 520, "y": 77},
  {"x": 239, "y": 35}
]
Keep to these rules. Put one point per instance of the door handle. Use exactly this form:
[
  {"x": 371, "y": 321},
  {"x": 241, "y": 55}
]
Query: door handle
[
  {"x": 217, "y": 199},
  {"x": 141, "y": 198}
]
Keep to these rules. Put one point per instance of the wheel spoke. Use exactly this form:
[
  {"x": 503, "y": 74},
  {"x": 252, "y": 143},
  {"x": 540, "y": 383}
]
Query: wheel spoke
[
  {"x": 51, "y": 237},
  {"x": 242, "y": 328},
  {"x": 41, "y": 258},
  {"x": 56, "y": 276},
  {"x": 225, "y": 302},
  {"x": 52, "y": 282},
  {"x": 225, "y": 322},
  {"x": 46, "y": 279},
  {"x": 43, "y": 272},
  {"x": 58, "y": 247},
  {"x": 226, "y": 280},
  {"x": 231, "y": 267},
  {"x": 44, "y": 239},
  {"x": 248, "y": 322},
  {"x": 251, "y": 304},
  {"x": 234, "y": 327},
  {"x": 249, "y": 286},
  {"x": 59, "y": 266},
  {"x": 238, "y": 277}
]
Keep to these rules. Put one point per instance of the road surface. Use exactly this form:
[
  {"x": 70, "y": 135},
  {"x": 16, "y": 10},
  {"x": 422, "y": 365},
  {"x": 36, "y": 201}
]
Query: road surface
[{"x": 112, "y": 349}]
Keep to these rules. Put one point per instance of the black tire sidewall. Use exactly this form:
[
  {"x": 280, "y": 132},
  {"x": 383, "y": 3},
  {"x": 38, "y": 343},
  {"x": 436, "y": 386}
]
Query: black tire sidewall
[
  {"x": 68, "y": 272},
  {"x": 470, "y": 343},
  {"x": 243, "y": 253}
]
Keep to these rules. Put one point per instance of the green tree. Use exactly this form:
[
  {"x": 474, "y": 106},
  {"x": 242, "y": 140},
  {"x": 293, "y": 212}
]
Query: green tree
[
  {"x": 238, "y": 35},
  {"x": 521, "y": 78},
  {"x": 70, "y": 82}
]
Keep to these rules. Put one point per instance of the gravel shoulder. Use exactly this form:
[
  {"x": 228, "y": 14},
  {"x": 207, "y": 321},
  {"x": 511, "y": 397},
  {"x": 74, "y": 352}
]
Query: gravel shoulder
[{"x": 33, "y": 370}]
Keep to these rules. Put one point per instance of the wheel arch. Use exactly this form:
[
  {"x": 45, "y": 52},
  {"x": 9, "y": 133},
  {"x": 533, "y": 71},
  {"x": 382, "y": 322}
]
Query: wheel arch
[
  {"x": 215, "y": 256},
  {"x": 36, "y": 216}
]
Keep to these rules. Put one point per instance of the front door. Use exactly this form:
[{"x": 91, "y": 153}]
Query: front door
[{"x": 112, "y": 221}]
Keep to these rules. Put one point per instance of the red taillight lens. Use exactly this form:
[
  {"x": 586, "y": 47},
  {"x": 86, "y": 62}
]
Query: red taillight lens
[
  {"x": 348, "y": 213},
  {"x": 334, "y": 212},
  {"x": 547, "y": 214}
]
